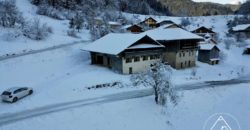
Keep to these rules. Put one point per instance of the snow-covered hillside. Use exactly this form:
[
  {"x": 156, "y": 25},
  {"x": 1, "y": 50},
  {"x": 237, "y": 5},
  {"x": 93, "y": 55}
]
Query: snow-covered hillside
[
  {"x": 12, "y": 42},
  {"x": 62, "y": 76}
]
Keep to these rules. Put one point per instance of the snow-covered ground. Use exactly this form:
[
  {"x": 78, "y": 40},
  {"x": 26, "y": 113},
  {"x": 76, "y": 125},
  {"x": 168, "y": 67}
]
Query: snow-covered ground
[
  {"x": 194, "y": 109},
  {"x": 63, "y": 75}
]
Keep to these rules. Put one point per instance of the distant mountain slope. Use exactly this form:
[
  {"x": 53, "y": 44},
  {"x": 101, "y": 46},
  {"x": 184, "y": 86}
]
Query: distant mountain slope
[
  {"x": 190, "y": 8},
  {"x": 245, "y": 8}
]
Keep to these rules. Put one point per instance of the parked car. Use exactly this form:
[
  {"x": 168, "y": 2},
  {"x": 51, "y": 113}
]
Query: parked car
[{"x": 16, "y": 93}]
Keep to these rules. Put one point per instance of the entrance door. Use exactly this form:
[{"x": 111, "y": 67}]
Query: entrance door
[
  {"x": 130, "y": 70},
  {"x": 99, "y": 60},
  {"x": 109, "y": 65}
]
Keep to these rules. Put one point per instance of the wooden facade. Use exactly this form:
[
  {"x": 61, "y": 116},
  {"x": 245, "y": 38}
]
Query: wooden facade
[
  {"x": 210, "y": 56},
  {"x": 180, "y": 54},
  {"x": 203, "y": 31},
  {"x": 150, "y": 22},
  {"x": 135, "y": 29}
]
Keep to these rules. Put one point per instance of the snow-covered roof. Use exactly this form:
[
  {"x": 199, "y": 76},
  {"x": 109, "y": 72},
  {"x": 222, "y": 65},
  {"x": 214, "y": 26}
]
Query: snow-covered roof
[
  {"x": 164, "y": 20},
  {"x": 170, "y": 34},
  {"x": 114, "y": 23},
  {"x": 241, "y": 27},
  {"x": 208, "y": 40},
  {"x": 150, "y": 18},
  {"x": 208, "y": 35},
  {"x": 145, "y": 45},
  {"x": 207, "y": 46},
  {"x": 115, "y": 43},
  {"x": 214, "y": 59},
  {"x": 166, "y": 26},
  {"x": 192, "y": 28},
  {"x": 130, "y": 25},
  {"x": 126, "y": 26}
]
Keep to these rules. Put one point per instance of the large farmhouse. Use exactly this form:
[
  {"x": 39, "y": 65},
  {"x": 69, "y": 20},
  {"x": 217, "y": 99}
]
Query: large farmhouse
[
  {"x": 181, "y": 46},
  {"x": 125, "y": 53}
]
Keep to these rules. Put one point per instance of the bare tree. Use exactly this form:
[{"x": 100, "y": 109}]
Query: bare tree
[
  {"x": 36, "y": 30},
  {"x": 158, "y": 77},
  {"x": 223, "y": 56},
  {"x": 228, "y": 42}
]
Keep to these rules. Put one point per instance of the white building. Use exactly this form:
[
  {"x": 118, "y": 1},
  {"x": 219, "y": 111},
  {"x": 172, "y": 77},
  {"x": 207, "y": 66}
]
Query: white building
[{"x": 125, "y": 53}]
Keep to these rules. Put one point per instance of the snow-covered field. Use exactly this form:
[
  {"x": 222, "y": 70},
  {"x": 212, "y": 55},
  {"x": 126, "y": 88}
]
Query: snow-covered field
[
  {"x": 63, "y": 75},
  {"x": 194, "y": 109}
]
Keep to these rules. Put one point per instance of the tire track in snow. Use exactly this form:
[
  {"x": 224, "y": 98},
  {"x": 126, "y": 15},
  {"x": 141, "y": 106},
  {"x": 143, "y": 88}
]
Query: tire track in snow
[
  {"x": 13, "y": 117},
  {"x": 2, "y": 58}
]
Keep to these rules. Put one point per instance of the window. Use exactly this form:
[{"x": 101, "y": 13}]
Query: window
[
  {"x": 193, "y": 52},
  {"x": 189, "y": 53},
  {"x": 17, "y": 91},
  {"x": 180, "y": 54},
  {"x": 6, "y": 93},
  {"x": 152, "y": 57},
  {"x": 183, "y": 54},
  {"x": 137, "y": 59},
  {"x": 144, "y": 58},
  {"x": 157, "y": 56},
  {"x": 128, "y": 60}
]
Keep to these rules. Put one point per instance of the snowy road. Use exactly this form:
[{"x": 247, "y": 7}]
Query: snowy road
[
  {"x": 13, "y": 117},
  {"x": 40, "y": 50}
]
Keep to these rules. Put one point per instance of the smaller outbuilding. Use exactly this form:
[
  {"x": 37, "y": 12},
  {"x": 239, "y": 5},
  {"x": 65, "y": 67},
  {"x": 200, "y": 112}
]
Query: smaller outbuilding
[
  {"x": 247, "y": 50},
  {"x": 209, "y": 53}
]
